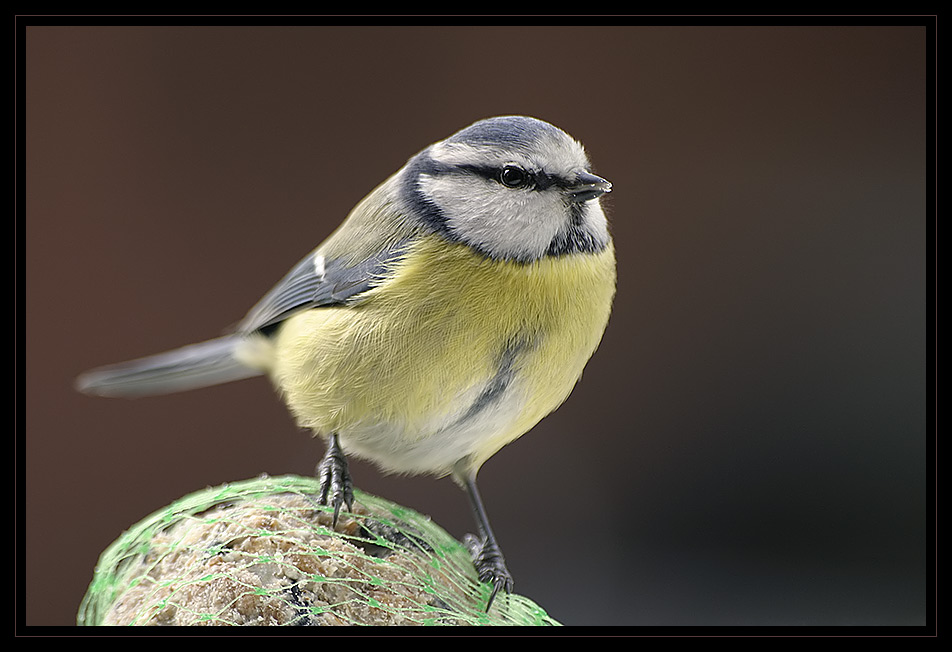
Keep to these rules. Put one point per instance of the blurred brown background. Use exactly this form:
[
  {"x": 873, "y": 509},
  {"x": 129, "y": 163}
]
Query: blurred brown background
[{"x": 747, "y": 447}]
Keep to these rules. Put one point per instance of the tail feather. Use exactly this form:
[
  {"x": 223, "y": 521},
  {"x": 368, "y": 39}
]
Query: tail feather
[{"x": 190, "y": 367}]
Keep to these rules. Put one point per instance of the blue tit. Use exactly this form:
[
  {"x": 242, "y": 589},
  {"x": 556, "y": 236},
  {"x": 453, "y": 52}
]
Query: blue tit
[{"x": 453, "y": 309}]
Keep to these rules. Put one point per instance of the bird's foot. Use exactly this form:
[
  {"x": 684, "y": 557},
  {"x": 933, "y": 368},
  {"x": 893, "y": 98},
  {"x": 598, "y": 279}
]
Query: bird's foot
[
  {"x": 334, "y": 477},
  {"x": 490, "y": 565}
]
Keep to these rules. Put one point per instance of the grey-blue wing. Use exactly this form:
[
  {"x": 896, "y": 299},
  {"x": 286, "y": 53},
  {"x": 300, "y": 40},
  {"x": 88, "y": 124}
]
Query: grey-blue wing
[{"x": 316, "y": 282}]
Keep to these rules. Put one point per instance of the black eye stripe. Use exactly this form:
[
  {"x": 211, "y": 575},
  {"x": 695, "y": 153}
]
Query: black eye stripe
[{"x": 538, "y": 180}]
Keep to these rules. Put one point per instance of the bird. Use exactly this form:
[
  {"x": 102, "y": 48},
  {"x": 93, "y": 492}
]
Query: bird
[{"x": 451, "y": 311}]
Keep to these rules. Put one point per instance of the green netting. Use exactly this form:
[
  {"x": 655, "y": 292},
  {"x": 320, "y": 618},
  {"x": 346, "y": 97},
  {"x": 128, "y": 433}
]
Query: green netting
[{"x": 261, "y": 552}]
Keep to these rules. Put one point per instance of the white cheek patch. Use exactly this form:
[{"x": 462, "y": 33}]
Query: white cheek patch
[
  {"x": 521, "y": 224},
  {"x": 595, "y": 222},
  {"x": 503, "y": 222}
]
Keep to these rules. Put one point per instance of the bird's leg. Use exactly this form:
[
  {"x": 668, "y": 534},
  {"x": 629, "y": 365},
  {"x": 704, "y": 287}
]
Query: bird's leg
[
  {"x": 334, "y": 478},
  {"x": 487, "y": 555}
]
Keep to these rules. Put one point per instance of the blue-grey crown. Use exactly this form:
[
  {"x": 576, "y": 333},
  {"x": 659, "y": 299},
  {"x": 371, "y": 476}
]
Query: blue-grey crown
[{"x": 512, "y": 131}]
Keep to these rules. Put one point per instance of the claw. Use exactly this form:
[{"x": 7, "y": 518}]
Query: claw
[
  {"x": 490, "y": 566},
  {"x": 334, "y": 479}
]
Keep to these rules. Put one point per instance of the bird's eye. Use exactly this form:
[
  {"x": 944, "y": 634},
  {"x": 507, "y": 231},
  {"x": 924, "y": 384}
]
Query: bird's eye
[{"x": 513, "y": 176}]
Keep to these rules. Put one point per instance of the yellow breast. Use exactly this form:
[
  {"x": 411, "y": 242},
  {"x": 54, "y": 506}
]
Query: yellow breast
[{"x": 398, "y": 374}]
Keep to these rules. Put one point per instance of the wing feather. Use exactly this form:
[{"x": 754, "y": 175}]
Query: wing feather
[{"x": 309, "y": 285}]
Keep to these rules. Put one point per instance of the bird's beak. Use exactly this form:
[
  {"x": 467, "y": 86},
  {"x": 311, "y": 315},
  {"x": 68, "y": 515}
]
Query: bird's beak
[{"x": 588, "y": 186}]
